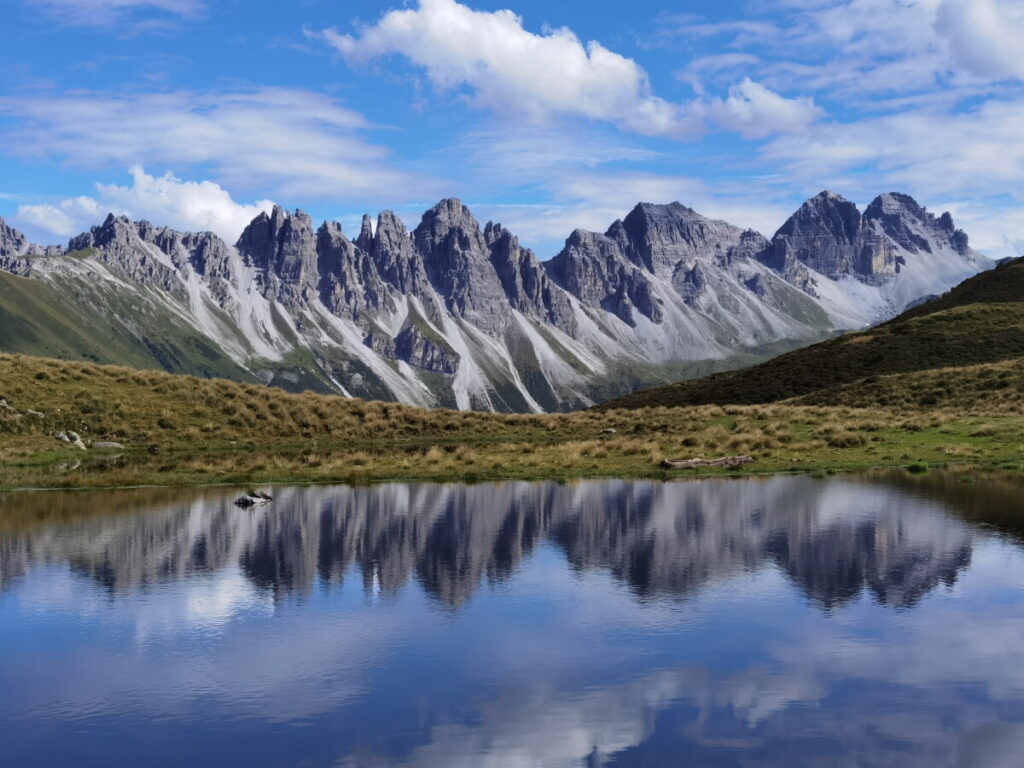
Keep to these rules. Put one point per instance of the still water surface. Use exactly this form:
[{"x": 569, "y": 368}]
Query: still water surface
[{"x": 873, "y": 621}]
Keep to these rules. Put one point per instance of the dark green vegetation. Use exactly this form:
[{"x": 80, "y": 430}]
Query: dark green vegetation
[{"x": 980, "y": 322}]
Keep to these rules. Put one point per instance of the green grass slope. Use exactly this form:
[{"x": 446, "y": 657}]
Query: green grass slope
[
  {"x": 979, "y": 322},
  {"x": 39, "y": 318}
]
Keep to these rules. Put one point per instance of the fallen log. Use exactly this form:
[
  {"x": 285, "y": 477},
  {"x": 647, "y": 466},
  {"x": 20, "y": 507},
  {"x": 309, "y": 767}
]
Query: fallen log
[{"x": 727, "y": 461}]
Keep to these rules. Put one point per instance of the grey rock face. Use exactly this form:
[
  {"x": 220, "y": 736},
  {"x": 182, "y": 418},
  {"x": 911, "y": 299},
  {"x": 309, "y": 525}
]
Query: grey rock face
[
  {"x": 16, "y": 252},
  {"x": 283, "y": 247},
  {"x": 750, "y": 246},
  {"x": 381, "y": 342},
  {"x": 902, "y": 219},
  {"x": 690, "y": 283},
  {"x": 424, "y": 351},
  {"x": 526, "y": 285},
  {"x": 201, "y": 252},
  {"x": 349, "y": 283},
  {"x": 12, "y": 242},
  {"x": 458, "y": 265},
  {"x": 829, "y": 235},
  {"x": 392, "y": 251},
  {"x": 657, "y": 237},
  {"x": 614, "y": 271},
  {"x": 116, "y": 244},
  {"x": 593, "y": 268}
]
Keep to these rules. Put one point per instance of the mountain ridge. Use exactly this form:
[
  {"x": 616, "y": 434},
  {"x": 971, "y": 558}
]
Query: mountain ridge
[
  {"x": 458, "y": 314},
  {"x": 975, "y": 327}
]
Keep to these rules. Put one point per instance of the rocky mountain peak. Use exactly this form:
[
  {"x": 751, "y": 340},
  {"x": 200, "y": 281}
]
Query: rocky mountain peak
[
  {"x": 365, "y": 239},
  {"x": 448, "y": 234},
  {"x": 350, "y": 285},
  {"x": 526, "y": 283},
  {"x": 113, "y": 230},
  {"x": 912, "y": 226},
  {"x": 494, "y": 232},
  {"x": 390, "y": 227},
  {"x": 391, "y": 249},
  {"x": 12, "y": 242},
  {"x": 593, "y": 268},
  {"x": 437, "y": 224},
  {"x": 16, "y": 251},
  {"x": 828, "y": 234},
  {"x": 282, "y": 246},
  {"x": 331, "y": 229},
  {"x": 658, "y": 237},
  {"x": 650, "y": 214},
  {"x": 825, "y": 214},
  {"x": 458, "y": 264}
]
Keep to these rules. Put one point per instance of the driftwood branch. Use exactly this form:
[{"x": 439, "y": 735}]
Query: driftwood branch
[{"x": 727, "y": 461}]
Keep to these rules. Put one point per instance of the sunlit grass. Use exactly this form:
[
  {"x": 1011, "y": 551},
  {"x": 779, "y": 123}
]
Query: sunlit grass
[{"x": 181, "y": 430}]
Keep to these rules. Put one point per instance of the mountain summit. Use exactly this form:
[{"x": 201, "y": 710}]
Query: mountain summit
[{"x": 461, "y": 315}]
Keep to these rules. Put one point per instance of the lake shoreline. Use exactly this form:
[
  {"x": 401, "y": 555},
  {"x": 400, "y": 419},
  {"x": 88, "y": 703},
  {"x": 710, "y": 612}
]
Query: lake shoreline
[{"x": 139, "y": 471}]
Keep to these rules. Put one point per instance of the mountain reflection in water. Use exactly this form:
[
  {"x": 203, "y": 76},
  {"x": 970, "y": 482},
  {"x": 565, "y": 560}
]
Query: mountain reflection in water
[
  {"x": 779, "y": 621},
  {"x": 833, "y": 540}
]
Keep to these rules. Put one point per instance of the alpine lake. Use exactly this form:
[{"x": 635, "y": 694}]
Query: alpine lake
[{"x": 861, "y": 620}]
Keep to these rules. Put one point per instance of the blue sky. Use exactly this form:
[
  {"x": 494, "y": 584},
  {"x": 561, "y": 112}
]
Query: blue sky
[{"x": 546, "y": 116}]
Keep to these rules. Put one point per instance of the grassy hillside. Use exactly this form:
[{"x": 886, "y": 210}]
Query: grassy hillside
[
  {"x": 37, "y": 318},
  {"x": 180, "y": 430},
  {"x": 991, "y": 389},
  {"x": 979, "y": 322}
]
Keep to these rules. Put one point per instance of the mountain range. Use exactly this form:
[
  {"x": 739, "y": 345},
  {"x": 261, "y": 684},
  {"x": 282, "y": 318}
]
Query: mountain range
[
  {"x": 458, "y": 315},
  {"x": 961, "y": 350}
]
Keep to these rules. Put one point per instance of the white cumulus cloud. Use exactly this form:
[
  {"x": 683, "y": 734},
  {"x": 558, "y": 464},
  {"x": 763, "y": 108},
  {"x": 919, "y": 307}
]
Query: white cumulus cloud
[
  {"x": 511, "y": 70},
  {"x": 64, "y": 218},
  {"x": 164, "y": 200},
  {"x": 755, "y": 112}
]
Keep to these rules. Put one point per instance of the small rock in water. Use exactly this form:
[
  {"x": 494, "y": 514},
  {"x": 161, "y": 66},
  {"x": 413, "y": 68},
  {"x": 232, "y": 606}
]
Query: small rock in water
[
  {"x": 252, "y": 498},
  {"x": 106, "y": 444}
]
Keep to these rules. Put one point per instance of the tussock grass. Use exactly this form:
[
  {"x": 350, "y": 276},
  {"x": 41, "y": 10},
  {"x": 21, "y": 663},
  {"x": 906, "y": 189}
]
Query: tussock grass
[{"x": 180, "y": 430}]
